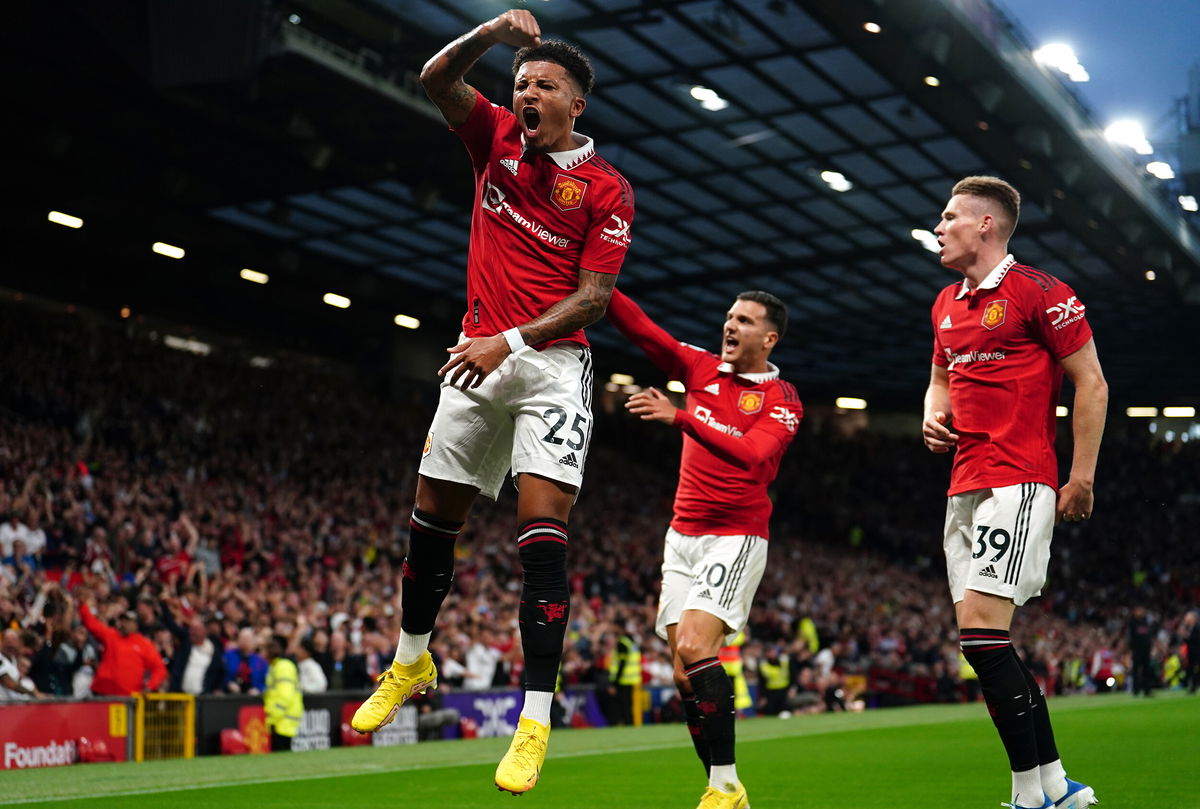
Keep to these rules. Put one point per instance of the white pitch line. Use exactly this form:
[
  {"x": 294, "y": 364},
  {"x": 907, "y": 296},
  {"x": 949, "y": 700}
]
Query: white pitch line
[{"x": 361, "y": 770}]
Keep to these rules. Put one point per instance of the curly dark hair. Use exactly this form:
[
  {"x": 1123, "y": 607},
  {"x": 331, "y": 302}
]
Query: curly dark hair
[{"x": 573, "y": 60}]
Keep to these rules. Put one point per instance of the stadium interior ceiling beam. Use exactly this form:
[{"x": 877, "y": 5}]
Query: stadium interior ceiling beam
[{"x": 980, "y": 85}]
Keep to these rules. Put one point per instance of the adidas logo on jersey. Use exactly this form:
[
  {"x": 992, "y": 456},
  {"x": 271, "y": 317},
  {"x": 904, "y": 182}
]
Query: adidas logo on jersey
[
  {"x": 704, "y": 594},
  {"x": 569, "y": 460},
  {"x": 510, "y": 164},
  {"x": 989, "y": 571},
  {"x": 714, "y": 389},
  {"x": 945, "y": 323}
]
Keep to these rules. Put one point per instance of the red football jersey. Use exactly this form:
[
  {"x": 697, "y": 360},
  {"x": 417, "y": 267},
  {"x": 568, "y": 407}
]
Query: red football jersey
[
  {"x": 1002, "y": 344},
  {"x": 538, "y": 220},
  {"x": 736, "y": 428}
]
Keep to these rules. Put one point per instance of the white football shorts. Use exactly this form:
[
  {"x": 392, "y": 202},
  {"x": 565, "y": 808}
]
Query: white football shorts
[
  {"x": 997, "y": 541},
  {"x": 716, "y": 574},
  {"x": 532, "y": 414}
]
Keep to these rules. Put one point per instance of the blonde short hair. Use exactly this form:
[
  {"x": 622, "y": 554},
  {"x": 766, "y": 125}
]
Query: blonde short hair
[{"x": 994, "y": 190}]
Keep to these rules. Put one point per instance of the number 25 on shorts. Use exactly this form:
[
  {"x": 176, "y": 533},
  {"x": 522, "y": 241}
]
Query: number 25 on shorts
[{"x": 556, "y": 417}]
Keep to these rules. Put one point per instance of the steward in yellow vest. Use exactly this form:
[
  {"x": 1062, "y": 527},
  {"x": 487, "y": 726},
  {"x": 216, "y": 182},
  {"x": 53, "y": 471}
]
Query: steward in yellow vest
[
  {"x": 625, "y": 676},
  {"x": 282, "y": 701},
  {"x": 774, "y": 680}
]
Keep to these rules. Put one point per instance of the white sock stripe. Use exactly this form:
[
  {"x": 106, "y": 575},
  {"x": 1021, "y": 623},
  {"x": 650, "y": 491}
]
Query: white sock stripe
[
  {"x": 428, "y": 526},
  {"x": 690, "y": 672},
  {"x": 983, "y": 642},
  {"x": 533, "y": 532}
]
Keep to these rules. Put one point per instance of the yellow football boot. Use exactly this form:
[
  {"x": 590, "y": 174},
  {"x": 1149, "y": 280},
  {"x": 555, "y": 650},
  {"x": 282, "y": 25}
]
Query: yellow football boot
[
  {"x": 396, "y": 686},
  {"x": 521, "y": 766}
]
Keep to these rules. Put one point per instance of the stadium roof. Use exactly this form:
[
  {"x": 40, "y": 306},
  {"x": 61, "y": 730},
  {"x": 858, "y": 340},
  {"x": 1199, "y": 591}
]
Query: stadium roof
[{"x": 292, "y": 137}]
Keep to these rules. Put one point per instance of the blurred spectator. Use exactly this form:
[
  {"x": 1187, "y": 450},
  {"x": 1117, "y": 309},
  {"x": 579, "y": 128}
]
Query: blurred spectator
[
  {"x": 245, "y": 668},
  {"x": 1191, "y": 634},
  {"x": 14, "y": 686},
  {"x": 12, "y": 530},
  {"x": 344, "y": 671},
  {"x": 482, "y": 659},
  {"x": 312, "y": 676},
  {"x": 197, "y": 666},
  {"x": 56, "y": 658},
  {"x": 129, "y": 663},
  {"x": 20, "y": 562},
  {"x": 1141, "y": 638}
]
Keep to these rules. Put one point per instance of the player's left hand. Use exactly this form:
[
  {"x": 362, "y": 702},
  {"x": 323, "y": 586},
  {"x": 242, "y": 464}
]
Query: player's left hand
[
  {"x": 652, "y": 405},
  {"x": 1074, "y": 502},
  {"x": 473, "y": 359}
]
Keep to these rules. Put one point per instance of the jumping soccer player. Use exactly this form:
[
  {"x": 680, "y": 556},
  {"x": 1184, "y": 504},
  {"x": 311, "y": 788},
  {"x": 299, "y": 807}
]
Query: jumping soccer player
[
  {"x": 548, "y": 235},
  {"x": 1003, "y": 337},
  {"x": 739, "y": 419}
]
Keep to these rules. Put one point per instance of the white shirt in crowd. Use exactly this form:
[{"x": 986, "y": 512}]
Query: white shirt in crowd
[
  {"x": 824, "y": 661},
  {"x": 9, "y": 533},
  {"x": 481, "y": 666},
  {"x": 35, "y": 541},
  {"x": 8, "y": 667},
  {"x": 312, "y": 677},
  {"x": 197, "y": 665},
  {"x": 451, "y": 669}
]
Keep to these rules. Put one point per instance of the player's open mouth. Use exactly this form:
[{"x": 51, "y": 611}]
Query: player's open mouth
[
  {"x": 730, "y": 343},
  {"x": 532, "y": 120}
]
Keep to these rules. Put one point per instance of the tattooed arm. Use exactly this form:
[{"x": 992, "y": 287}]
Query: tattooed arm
[
  {"x": 442, "y": 75},
  {"x": 578, "y": 310},
  {"x": 476, "y": 357}
]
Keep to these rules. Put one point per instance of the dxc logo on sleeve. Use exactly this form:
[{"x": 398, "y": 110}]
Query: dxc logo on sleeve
[
  {"x": 786, "y": 417},
  {"x": 1065, "y": 313},
  {"x": 618, "y": 233}
]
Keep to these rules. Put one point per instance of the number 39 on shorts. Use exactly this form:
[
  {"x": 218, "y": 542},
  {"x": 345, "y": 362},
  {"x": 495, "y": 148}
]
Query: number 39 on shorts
[{"x": 989, "y": 538}]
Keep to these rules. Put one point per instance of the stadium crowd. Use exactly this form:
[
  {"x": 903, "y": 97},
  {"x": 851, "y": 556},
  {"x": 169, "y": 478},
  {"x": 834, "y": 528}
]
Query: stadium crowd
[{"x": 165, "y": 515}]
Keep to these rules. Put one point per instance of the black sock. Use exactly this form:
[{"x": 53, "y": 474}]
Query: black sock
[
  {"x": 692, "y": 716},
  {"x": 545, "y": 599},
  {"x": 428, "y": 570},
  {"x": 714, "y": 703},
  {"x": 1047, "y": 749},
  {"x": 989, "y": 651}
]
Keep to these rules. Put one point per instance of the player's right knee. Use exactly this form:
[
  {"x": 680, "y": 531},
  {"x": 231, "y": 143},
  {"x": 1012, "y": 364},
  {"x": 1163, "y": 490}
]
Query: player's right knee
[{"x": 693, "y": 648}]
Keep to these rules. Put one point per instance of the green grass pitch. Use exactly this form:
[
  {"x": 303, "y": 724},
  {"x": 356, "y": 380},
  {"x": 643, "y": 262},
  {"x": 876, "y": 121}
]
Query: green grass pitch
[{"x": 1138, "y": 754}]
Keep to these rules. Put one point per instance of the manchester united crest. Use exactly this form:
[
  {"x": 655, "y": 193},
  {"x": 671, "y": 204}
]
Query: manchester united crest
[
  {"x": 751, "y": 401},
  {"x": 568, "y": 192},
  {"x": 428, "y": 444},
  {"x": 993, "y": 314}
]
